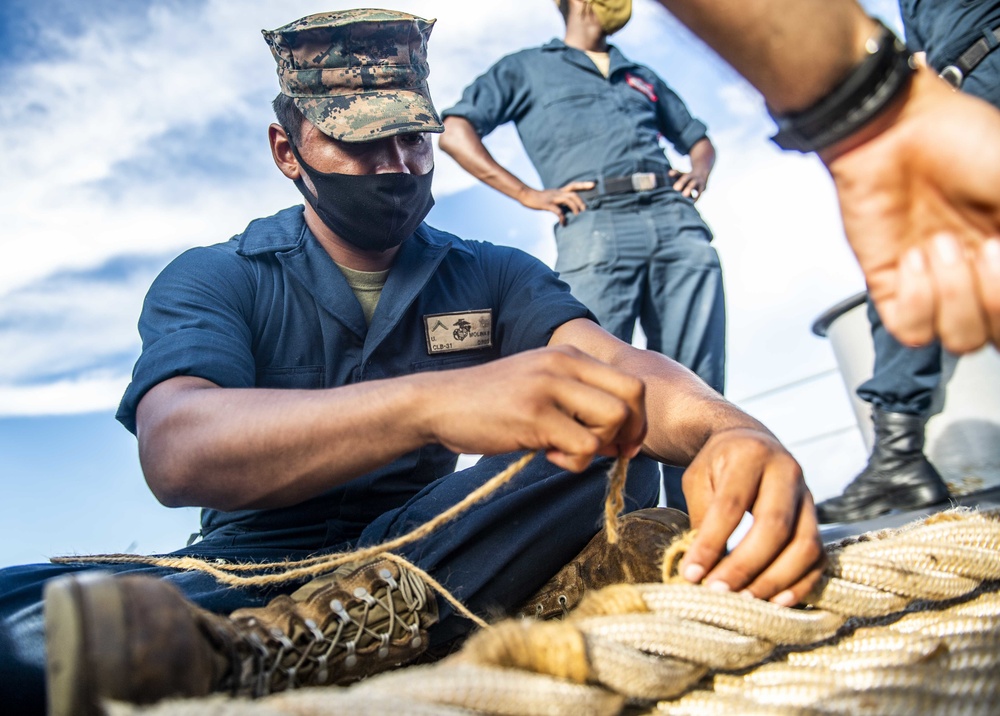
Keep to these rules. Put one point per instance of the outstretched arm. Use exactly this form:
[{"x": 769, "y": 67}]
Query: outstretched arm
[
  {"x": 793, "y": 51},
  {"x": 231, "y": 448},
  {"x": 915, "y": 184},
  {"x": 462, "y": 142},
  {"x": 734, "y": 465}
]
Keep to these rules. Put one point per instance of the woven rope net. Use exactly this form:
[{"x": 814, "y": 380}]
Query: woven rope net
[{"x": 904, "y": 621}]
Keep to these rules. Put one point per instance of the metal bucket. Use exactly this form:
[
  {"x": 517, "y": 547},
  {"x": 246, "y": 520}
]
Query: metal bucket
[{"x": 963, "y": 431}]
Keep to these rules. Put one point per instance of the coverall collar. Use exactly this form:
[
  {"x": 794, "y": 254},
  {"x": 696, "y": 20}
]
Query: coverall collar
[
  {"x": 296, "y": 247},
  {"x": 580, "y": 59}
]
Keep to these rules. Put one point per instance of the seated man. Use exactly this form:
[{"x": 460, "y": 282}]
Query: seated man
[{"x": 309, "y": 384}]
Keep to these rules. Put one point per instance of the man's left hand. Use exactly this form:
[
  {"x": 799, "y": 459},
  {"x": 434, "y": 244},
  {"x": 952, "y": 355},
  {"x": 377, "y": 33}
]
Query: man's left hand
[
  {"x": 689, "y": 184},
  {"x": 781, "y": 557}
]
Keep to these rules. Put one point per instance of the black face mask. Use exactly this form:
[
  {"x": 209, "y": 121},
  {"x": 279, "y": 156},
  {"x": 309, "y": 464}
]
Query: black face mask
[{"x": 374, "y": 212}]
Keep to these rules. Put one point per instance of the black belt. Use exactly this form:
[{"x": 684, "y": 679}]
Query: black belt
[
  {"x": 956, "y": 73},
  {"x": 638, "y": 182}
]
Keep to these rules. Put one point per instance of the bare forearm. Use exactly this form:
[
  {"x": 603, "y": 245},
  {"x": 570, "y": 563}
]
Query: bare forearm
[
  {"x": 236, "y": 449},
  {"x": 231, "y": 448},
  {"x": 793, "y": 51},
  {"x": 702, "y": 157},
  {"x": 464, "y": 145},
  {"x": 683, "y": 411}
]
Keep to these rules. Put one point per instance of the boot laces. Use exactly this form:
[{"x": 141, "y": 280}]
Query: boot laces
[{"x": 266, "y": 660}]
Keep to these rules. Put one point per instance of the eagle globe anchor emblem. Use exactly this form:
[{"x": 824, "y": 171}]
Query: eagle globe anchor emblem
[{"x": 462, "y": 329}]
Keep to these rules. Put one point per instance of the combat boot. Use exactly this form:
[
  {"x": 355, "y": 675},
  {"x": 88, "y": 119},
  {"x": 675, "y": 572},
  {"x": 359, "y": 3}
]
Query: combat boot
[
  {"x": 637, "y": 558},
  {"x": 898, "y": 475},
  {"x": 137, "y": 639}
]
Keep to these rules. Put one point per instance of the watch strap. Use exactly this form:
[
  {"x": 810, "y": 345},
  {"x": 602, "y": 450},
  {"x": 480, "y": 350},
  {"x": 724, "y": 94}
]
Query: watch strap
[{"x": 866, "y": 91}]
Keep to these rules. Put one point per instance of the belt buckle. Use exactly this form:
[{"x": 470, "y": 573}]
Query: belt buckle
[
  {"x": 953, "y": 76},
  {"x": 643, "y": 181}
]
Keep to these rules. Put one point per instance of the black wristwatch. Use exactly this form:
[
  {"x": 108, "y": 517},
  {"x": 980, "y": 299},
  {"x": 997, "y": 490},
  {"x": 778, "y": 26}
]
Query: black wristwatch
[{"x": 862, "y": 95}]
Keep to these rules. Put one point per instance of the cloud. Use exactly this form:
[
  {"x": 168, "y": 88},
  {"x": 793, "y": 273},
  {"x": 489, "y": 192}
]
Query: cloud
[
  {"x": 141, "y": 132},
  {"x": 742, "y": 102},
  {"x": 131, "y": 131},
  {"x": 187, "y": 82},
  {"x": 887, "y": 11},
  {"x": 85, "y": 393}
]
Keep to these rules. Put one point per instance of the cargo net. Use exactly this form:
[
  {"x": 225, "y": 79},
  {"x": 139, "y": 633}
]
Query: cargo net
[{"x": 904, "y": 621}]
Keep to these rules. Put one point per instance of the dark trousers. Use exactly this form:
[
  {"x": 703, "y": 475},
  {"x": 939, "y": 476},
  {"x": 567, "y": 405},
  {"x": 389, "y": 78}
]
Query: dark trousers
[
  {"x": 650, "y": 259},
  {"x": 653, "y": 262},
  {"x": 903, "y": 378},
  {"x": 492, "y": 558}
]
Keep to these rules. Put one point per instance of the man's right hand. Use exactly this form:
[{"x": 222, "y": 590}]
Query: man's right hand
[
  {"x": 556, "y": 200},
  {"x": 558, "y": 399},
  {"x": 922, "y": 213}
]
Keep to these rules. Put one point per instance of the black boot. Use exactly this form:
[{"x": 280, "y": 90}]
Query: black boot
[{"x": 897, "y": 477}]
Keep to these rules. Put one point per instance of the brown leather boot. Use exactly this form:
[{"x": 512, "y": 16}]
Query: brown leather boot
[
  {"x": 643, "y": 536},
  {"x": 137, "y": 639}
]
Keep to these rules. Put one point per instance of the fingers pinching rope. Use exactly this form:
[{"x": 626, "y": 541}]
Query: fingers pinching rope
[{"x": 901, "y": 617}]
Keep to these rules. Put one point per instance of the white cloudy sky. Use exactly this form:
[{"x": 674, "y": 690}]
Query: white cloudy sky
[{"x": 132, "y": 130}]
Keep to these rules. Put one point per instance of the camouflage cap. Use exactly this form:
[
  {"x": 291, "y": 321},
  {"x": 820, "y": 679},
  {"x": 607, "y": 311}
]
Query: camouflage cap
[{"x": 358, "y": 75}]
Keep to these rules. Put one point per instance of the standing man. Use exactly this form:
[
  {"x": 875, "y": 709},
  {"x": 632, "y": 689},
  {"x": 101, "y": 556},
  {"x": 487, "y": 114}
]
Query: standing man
[
  {"x": 309, "y": 384},
  {"x": 957, "y": 40},
  {"x": 630, "y": 242}
]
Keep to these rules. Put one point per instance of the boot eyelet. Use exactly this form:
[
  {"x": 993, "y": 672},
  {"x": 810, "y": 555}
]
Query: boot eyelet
[
  {"x": 314, "y": 631},
  {"x": 337, "y": 607},
  {"x": 352, "y": 658},
  {"x": 280, "y": 637}
]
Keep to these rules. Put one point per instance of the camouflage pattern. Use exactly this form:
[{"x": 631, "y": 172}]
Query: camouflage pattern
[{"x": 358, "y": 75}]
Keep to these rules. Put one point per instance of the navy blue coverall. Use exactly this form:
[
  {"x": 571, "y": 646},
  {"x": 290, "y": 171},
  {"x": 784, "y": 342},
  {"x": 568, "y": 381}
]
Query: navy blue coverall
[
  {"x": 270, "y": 309},
  {"x": 639, "y": 254}
]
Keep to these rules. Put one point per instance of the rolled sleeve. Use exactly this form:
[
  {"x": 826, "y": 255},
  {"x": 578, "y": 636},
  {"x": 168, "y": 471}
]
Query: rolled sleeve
[
  {"x": 534, "y": 302},
  {"x": 676, "y": 123},
  {"x": 193, "y": 323},
  {"x": 498, "y": 96}
]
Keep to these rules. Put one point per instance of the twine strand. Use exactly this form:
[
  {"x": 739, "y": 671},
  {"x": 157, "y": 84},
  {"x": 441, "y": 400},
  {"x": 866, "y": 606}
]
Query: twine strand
[
  {"x": 629, "y": 645},
  {"x": 295, "y": 570}
]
